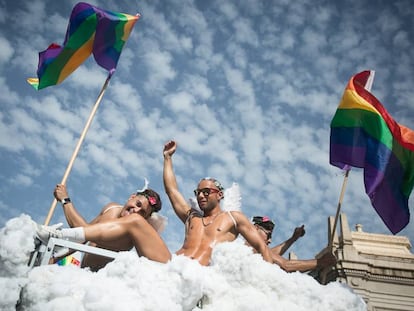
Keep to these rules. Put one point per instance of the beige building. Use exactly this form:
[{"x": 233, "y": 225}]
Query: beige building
[{"x": 379, "y": 267}]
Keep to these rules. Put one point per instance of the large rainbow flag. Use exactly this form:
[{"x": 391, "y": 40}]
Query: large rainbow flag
[
  {"x": 90, "y": 30},
  {"x": 364, "y": 135}
]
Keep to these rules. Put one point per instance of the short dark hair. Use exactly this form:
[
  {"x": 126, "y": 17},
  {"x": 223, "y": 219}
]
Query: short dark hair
[
  {"x": 264, "y": 222},
  {"x": 153, "y": 198}
]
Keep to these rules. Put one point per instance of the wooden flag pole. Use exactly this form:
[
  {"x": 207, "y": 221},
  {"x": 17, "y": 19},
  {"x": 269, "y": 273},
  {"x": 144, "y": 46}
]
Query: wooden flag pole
[
  {"x": 338, "y": 209},
  {"x": 368, "y": 86},
  {"x": 81, "y": 139}
]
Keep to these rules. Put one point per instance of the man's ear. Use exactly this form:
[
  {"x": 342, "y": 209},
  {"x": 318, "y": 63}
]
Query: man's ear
[{"x": 221, "y": 194}]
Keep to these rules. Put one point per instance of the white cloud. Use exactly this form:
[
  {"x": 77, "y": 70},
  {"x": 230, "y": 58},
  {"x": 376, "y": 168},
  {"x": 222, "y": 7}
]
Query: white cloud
[
  {"x": 22, "y": 180},
  {"x": 30, "y": 14},
  {"x": 244, "y": 32},
  {"x": 7, "y": 96},
  {"x": 229, "y": 10},
  {"x": 6, "y": 51},
  {"x": 180, "y": 102},
  {"x": 160, "y": 70}
]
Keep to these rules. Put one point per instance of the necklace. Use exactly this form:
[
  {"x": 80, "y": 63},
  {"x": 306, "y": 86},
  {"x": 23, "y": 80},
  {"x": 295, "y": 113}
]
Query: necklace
[{"x": 211, "y": 221}]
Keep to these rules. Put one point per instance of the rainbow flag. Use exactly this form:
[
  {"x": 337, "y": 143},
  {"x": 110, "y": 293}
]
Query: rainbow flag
[
  {"x": 364, "y": 135},
  {"x": 90, "y": 30},
  {"x": 69, "y": 260}
]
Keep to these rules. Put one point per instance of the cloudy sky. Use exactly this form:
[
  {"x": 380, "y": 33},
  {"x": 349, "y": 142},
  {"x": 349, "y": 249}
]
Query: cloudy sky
[{"x": 247, "y": 88}]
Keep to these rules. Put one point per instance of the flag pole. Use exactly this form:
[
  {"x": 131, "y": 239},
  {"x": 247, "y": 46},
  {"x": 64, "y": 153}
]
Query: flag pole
[
  {"x": 338, "y": 209},
  {"x": 81, "y": 139},
  {"x": 368, "y": 87}
]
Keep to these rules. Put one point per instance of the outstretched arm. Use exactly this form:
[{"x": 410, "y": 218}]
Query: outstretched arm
[
  {"x": 177, "y": 200},
  {"x": 292, "y": 265},
  {"x": 283, "y": 247},
  {"x": 73, "y": 217}
]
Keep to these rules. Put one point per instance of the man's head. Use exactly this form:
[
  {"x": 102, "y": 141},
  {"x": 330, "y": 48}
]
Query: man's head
[
  {"x": 209, "y": 192},
  {"x": 216, "y": 183},
  {"x": 143, "y": 202},
  {"x": 153, "y": 198},
  {"x": 264, "y": 225}
]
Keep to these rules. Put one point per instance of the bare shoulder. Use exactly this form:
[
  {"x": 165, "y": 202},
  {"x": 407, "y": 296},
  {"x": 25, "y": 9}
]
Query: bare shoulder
[
  {"x": 240, "y": 219},
  {"x": 109, "y": 211},
  {"x": 239, "y": 216},
  {"x": 111, "y": 208}
]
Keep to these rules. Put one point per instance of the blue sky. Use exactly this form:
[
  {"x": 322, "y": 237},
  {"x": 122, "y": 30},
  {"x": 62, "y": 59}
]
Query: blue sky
[{"x": 246, "y": 88}]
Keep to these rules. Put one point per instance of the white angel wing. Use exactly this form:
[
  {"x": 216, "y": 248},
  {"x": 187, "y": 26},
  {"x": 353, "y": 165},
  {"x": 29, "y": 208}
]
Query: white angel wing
[
  {"x": 232, "y": 198},
  {"x": 194, "y": 205},
  {"x": 158, "y": 222}
]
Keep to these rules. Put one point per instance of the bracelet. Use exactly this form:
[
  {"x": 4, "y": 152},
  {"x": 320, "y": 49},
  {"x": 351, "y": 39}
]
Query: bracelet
[{"x": 65, "y": 201}]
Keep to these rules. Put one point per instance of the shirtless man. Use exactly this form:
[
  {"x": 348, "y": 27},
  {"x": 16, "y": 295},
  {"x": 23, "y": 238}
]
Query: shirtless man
[
  {"x": 265, "y": 227},
  {"x": 117, "y": 228},
  {"x": 215, "y": 226}
]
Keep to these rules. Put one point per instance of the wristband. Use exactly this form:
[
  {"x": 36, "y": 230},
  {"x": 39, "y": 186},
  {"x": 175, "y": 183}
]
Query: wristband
[{"x": 65, "y": 200}]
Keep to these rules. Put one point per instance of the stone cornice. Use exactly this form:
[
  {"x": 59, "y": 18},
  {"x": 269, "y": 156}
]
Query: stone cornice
[
  {"x": 382, "y": 245},
  {"x": 375, "y": 277},
  {"x": 381, "y": 238}
]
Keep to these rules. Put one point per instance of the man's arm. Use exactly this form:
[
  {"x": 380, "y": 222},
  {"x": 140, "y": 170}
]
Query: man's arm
[
  {"x": 177, "y": 200},
  {"x": 283, "y": 247},
  {"x": 327, "y": 259},
  {"x": 73, "y": 217},
  {"x": 252, "y": 236}
]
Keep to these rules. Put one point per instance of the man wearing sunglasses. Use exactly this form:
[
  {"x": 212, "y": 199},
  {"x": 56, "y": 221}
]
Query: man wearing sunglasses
[
  {"x": 117, "y": 227},
  {"x": 213, "y": 226},
  {"x": 265, "y": 226}
]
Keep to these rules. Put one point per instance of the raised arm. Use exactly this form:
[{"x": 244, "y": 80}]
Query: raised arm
[
  {"x": 283, "y": 247},
  {"x": 73, "y": 217},
  {"x": 177, "y": 200},
  {"x": 252, "y": 236}
]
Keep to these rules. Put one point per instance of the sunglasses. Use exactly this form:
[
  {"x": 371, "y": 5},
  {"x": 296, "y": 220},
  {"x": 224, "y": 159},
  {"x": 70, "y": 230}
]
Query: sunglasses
[
  {"x": 205, "y": 191},
  {"x": 267, "y": 232}
]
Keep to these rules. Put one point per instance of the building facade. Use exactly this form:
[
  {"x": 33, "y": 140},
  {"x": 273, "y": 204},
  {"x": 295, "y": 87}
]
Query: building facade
[{"x": 378, "y": 267}]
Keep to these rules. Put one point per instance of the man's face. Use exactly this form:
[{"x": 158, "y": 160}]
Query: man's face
[
  {"x": 207, "y": 194},
  {"x": 137, "y": 204},
  {"x": 265, "y": 234}
]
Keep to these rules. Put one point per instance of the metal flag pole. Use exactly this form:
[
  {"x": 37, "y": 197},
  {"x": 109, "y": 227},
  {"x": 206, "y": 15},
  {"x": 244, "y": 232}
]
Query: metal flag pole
[
  {"x": 368, "y": 87},
  {"x": 81, "y": 139}
]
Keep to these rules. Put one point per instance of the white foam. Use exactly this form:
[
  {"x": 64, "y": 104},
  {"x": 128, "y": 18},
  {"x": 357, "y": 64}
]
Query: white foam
[{"x": 236, "y": 280}]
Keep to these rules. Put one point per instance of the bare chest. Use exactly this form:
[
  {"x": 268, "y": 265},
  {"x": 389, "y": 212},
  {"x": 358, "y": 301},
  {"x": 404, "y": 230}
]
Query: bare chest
[{"x": 218, "y": 228}]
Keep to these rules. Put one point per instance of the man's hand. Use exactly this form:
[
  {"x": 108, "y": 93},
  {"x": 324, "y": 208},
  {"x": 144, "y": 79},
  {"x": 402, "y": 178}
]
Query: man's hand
[
  {"x": 169, "y": 148},
  {"x": 299, "y": 232},
  {"x": 60, "y": 192},
  {"x": 326, "y": 260}
]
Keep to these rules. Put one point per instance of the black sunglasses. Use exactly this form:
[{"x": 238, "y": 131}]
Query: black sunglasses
[
  {"x": 205, "y": 191},
  {"x": 267, "y": 232}
]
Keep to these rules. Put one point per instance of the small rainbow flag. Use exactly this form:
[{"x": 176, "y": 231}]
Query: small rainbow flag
[
  {"x": 69, "y": 260},
  {"x": 364, "y": 135},
  {"x": 90, "y": 30}
]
